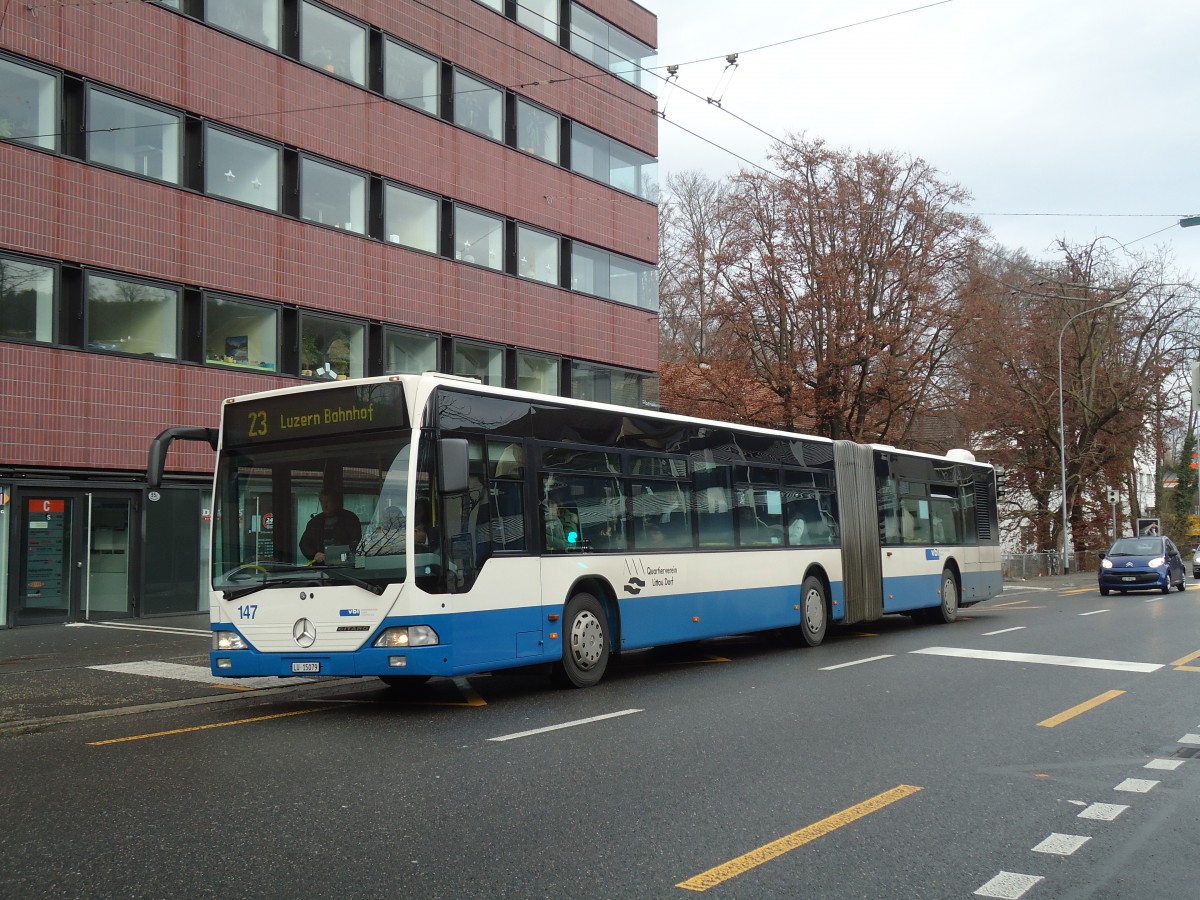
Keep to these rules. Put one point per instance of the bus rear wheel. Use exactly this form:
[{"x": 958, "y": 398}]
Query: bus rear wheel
[
  {"x": 585, "y": 642},
  {"x": 814, "y": 611}
]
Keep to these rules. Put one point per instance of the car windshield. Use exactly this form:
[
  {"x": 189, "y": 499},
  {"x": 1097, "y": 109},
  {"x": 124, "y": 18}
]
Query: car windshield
[
  {"x": 1137, "y": 547},
  {"x": 330, "y": 511}
]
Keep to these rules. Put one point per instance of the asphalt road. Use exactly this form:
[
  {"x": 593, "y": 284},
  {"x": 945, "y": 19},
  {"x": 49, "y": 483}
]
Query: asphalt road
[{"x": 1040, "y": 747}]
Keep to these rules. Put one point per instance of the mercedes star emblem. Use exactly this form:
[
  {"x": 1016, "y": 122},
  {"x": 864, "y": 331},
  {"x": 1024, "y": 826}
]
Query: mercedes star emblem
[{"x": 304, "y": 633}]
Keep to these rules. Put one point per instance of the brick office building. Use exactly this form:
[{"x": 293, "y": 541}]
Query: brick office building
[{"x": 203, "y": 198}]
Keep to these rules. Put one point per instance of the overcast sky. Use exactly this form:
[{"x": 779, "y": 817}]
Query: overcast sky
[{"x": 1071, "y": 107}]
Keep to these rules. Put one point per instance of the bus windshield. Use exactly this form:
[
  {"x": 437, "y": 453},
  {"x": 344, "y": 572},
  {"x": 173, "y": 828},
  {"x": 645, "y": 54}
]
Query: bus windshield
[{"x": 331, "y": 511}]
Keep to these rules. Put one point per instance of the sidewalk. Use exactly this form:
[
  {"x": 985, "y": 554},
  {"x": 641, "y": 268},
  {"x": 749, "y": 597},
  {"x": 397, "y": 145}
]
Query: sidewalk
[{"x": 55, "y": 673}]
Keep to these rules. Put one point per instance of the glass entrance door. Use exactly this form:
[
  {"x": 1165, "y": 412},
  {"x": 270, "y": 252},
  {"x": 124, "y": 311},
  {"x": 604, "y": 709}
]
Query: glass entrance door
[
  {"x": 48, "y": 584},
  {"x": 76, "y": 556}
]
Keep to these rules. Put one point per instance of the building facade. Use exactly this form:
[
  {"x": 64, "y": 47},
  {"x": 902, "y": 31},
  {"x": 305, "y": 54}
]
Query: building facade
[{"x": 205, "y": 198}]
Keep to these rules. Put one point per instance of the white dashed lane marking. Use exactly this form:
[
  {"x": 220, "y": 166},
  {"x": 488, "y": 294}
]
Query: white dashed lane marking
[
  {"x": 1061, "y": 844},
  {"x": 1009, "y": 886},
  {"x": 1102, "y": 812},
  {"x": 1169, "y": 765},
  {"x": 1136, "y": 785}
]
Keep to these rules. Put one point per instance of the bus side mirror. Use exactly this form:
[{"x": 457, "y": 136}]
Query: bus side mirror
[{"x": 453, "y": 465}]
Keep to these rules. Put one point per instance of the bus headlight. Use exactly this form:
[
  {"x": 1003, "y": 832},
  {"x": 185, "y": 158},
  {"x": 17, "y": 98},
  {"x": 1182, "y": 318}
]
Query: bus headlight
[
  {"x": 408, "y": 636},
  {"x": 227, "y": 640}
]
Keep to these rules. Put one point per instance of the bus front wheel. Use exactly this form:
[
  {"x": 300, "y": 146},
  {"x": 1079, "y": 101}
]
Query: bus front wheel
[
  {"x": 947, "y": 611},
  {"x": 585, "y": 642}
]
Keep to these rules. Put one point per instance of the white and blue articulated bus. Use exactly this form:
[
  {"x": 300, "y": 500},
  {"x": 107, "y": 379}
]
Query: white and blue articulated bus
[{"x": 412, "y": 526}]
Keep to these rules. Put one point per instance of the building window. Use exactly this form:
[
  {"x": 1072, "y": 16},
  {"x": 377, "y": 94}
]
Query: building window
[
  {"x": 255, "y": 20},
  {"x": 478, "y": 239},
  {"x": 497, "y": 5},
  {"x": 28, "y": 105},
  {"x": 411, "y": 77},
  {"x": 241, "y": 169},
  {"x": 330, "y": 348},
  {"x": 540, "y": 16},
  {"x": 407, "y": 353},
  {"x": 537, "y": 131},
  {"x": 605, "y": 385},
  {"x": 479, "y": 361},
  {"x": 132, "y": 136},
  {"x": 537, "y": 373},
  {"x": 612, "y": 49},
  {"x": 478, "y": 106},
  {"x": 333, "y": 196},
  {"x": 132, "y": 317},
  {"x": 410, "y": 219},
  {"x": 614, "y": 277},
  {"x": 240, "y": 333},
  {"x": 26, "y": 301},
  {"x": 333, "y": 44},
  {"x": 537, "y": 255},
  {"x": 603, "y": 159}
]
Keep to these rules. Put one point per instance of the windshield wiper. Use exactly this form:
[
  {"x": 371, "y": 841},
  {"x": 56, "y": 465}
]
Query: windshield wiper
[
  {"x": 354, "y": 579},
  {"x": 297, "y": 574}
]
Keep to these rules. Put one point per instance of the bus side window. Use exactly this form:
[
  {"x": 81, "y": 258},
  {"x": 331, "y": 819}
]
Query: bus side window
[{"x": 506, "y": 497}]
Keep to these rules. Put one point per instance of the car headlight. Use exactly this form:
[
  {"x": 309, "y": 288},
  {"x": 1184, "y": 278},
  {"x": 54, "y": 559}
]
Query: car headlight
[
  {"x": 408, "y": 636},
  {"x": 1158, "y": 561},
  {"x": 227, "y": 640},
  {"x": 1106, "y": 563}
]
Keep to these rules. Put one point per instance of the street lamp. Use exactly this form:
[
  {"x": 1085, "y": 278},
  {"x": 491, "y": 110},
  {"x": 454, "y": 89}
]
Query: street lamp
[{"x": 1062, "y": 429}]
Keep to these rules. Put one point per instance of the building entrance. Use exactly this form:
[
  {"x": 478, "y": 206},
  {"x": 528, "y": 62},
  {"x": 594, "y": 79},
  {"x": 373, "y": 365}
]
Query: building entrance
[{"x": 75, "y": 552}]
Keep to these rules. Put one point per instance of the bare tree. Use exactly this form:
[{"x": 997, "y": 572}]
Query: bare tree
[{"x": 842, "y": 286}]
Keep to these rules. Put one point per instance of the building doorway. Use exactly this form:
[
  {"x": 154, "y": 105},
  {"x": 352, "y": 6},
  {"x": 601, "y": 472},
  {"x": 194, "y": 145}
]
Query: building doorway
[{"x": 75, "y": 555}]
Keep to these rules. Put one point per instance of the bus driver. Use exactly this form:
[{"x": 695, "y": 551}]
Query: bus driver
[{"x": 332, "y": 526}]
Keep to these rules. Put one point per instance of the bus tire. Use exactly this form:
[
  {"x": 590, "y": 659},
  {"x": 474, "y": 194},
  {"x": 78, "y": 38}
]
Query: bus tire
[
  {"x": 814, "y": 613},
  {"x": 947, "y": 611},
  {"x": 585, "y": 639}
]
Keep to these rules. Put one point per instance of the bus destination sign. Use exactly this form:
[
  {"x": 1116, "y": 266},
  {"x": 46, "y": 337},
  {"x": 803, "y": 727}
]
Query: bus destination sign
[{"x": 342, "y": 410}]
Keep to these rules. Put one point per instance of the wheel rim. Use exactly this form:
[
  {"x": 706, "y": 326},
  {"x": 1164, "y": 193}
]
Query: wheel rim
[
  {"x": 587, "y": 640},
  {"x": 814, "y": 611},
  {"x": 949, "y": 596}
]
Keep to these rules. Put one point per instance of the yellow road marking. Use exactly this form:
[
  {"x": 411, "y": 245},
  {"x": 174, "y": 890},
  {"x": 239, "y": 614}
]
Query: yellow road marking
[
  {"x": 1184, "y": 660},
  {"x": 1009, "y": 603},
  {"x": 1086, "y": 590},
  {"x": 158, "y": 734},
  {"x": 1080, "y": 709},
  {"x": 768, "y": 852}
]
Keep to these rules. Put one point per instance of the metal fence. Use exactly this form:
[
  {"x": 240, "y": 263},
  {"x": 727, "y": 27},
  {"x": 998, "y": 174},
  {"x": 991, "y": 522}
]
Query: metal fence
[{"x": 1023, "y": 566}]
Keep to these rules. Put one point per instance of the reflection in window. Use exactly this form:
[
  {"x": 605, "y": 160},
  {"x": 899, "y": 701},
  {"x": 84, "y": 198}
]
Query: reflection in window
[
  {"x": 333, "y": 196},
  {"x": 537, "y": 131},
  {"x": 333, "y": 44},
  {"x": 478, "y": 106},
  {"x": 612, "y": 49},
  {"x": 28, "y": 105},
  {"x": 134, "y": 137},
  {"x": 410, "y": 219},
  {"x": 26, "y": 301},
  {"x": 497, "y": 5},
  {"x": 479, "y": 361},
  {"x": 330, "y": 349},
  {"x": 537, "y": 373},
  {"x": 614, "y": 163},
  {"x": 240, "y": 169},
  {"x": 540, "y": 16},
  {"x": 614, "y": 277},
  {"x": 411, "y": 77},
  {"x": 605, "y": 385},
  {"x": 408, "y": 353},
  {"x": 238, "y": 333},
  {"x": 537, "y": 255},
  {"x": 132, "y": 317},
  {"x": 255, "y": 20},
  {"x": 478, "y": 239}
]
